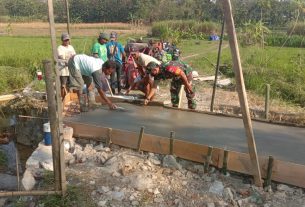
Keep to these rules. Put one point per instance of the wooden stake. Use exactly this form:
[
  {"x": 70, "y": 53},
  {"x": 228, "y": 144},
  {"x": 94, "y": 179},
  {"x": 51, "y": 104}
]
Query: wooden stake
[
  {"x": 180, "y": 95},
  {"x": 140, "y": 138},
  {"x": 225, "y": 162},
  {"x": 267, "y": 101},
  {"x": 109, "y": 135},
  {"x": 208, "y": 160},
  {"x": 52, "y": 113},
  {"x": 242, "y": 91},
  {"x": 269, "y": 171},
  {"x": 68, "y": 16},
  {"x": 52, "y": 29},
  {"x": 109, "y": 87},
  {"x": 217, "y": 66},
  {"x": 171, "y": 143}
]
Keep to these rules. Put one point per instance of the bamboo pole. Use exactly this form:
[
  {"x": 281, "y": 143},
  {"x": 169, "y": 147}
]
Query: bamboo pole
[
  {"x": 68, "y": 15},
  {"x": 52, "y": 113},
  {"x": 28, "y": 193},
  {"x": 217, "y": 66},
  {"x": 171, "y": 143},
  {"x": 242, "y": 91}
]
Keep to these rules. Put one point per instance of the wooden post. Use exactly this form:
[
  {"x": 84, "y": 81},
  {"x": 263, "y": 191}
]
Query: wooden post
[
  {"x": 225, "y": 162},
  {"x": 269, "y": 171},
  {"x": 140, "y": 138},
  {"x": 58, "y": 99},
  {"x": 180, "y": 95},
  {"x": 171, "y": 143},
  {"x": 217, "y": 66},
  {"x": 267, "y": 101},
  {"x": 52, "y": 113},
  {"x": 68, "y": 16},
  {"x": 109, "y": 135},
  {"x": 52, "y": 29},
  {"x": 208, "y": 160},
  {"x": 242, "y": 91}
]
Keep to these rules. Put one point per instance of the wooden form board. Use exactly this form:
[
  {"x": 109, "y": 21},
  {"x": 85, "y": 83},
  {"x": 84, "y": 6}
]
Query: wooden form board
[{"x": 284, "y": 172}]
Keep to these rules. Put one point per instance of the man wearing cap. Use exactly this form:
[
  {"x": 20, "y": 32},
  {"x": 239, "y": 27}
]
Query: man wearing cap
[
  {"x": 64, "y": 51},
  {"x": 115, "y": 52},
  {"x": 141, "y": 61},
  {"x": 99, "y": 49},
  {"x": 180, "y": 73},
  {"x": 85, "y": 70}
]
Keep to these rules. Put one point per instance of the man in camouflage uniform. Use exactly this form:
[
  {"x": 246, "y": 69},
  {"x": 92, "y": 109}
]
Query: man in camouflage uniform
[{"x": 180, "y": 73}]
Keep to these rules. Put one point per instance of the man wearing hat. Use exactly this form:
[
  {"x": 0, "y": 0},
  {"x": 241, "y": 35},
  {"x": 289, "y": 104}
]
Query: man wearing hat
[
  {"x": 181, "y": 74},
  {"x": 115, "y": 52},
  {"x": 64, "y": 51},
  {"x": 99, "y": 49}
]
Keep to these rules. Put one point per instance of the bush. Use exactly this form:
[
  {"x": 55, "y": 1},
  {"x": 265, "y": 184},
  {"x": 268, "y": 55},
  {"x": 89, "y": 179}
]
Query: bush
[
  {"x": 298, "y": 29},
  {"x": 279, "y": 40},
  {"x": 187, "y": 29}
]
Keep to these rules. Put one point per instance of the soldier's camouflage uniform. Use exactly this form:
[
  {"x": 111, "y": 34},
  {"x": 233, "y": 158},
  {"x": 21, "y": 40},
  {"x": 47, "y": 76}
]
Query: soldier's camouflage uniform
[{"x": 172, "y": 70}]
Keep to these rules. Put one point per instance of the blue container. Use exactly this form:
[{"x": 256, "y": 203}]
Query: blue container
[{"x": 47, "y": 134}]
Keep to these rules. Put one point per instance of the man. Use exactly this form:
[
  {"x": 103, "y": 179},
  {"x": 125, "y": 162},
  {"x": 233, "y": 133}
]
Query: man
[
  {"x": 180, "y": 73},
  {"x": 86, "y": 69},
  {"x": 115, "y": 53},
  {"x": 141, "y": 61},
  {"x": 99, "y": 49},
  {"x": 65, "y": 51}
]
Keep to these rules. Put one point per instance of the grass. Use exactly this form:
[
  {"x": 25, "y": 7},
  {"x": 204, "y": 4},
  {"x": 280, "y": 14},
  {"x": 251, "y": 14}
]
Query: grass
[{"x": 3, "y": 158}]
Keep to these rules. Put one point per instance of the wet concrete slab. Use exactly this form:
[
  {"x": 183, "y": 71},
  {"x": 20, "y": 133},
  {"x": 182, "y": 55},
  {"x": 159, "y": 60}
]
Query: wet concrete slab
[{"x": 282, "y": 142}]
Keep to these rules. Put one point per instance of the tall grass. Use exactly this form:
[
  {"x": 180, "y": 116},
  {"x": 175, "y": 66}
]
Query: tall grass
[
  {"x": 186, "y": 28},
  {"x": 283, "y": 40},
  {"x": 297, "y": 29}
]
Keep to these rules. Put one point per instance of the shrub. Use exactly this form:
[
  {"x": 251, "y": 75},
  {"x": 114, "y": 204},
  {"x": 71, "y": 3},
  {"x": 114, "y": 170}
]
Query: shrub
[
  {"x": 187, "y": 29},
  {"x": 297, "y": 29}
]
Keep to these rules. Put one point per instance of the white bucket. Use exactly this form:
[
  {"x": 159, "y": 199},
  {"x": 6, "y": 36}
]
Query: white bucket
[{"x": 46, "y": 127}]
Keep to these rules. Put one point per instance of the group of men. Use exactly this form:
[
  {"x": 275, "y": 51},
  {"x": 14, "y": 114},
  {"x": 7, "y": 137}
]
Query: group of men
[{"x": 107, "y": 59}]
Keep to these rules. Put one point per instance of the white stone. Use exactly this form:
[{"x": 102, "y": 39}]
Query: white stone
[
  {"x": 135, "y": 203},
  {"x": 105, "y": 189},
  {"x": 227, "y": 194},
  {"x": 199, "y": 168},
  {"x": 141, "y": 182},
  {"x": 102, "y": 203},
  {"x": 282, "y": 187},
  {"x": 117, "y": 195},
  {"x": 171, "y": 162},
  {"x": 28, "y": 180},
  {"x": 47, "y": 164},
  {"x": 184, "y": 183},
  {"x": 116, "y": 188},
  {"x": 99, "y": 147},
  {"x": 107, "y": 149},
  {"x": 131, "y": 198},
  {"x": 210, "y": 205},
  {"x": 92, "y": 182},
  {"x": 116, "y": 174},
  {"x": 158, "y": 200},
  {"x": 156, "y": 191},
  {"x": 216, "y": 188}
]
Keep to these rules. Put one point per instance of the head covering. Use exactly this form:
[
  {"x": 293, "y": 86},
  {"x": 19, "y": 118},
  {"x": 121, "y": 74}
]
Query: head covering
[
  {"x": 133, "y": 50},
  {"x": 65, "y": 36},
  {"x": 103, "y": 36},
  {"x": 151, "y": 65},
  {"x": 113, "y": 35}
]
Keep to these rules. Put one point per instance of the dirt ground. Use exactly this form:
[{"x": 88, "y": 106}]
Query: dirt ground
[{"x": 88, "y": 29}]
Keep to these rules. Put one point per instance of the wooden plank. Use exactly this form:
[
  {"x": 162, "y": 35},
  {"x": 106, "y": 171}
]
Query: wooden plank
[
  {"x": 8, "y": 97},
  {"x": 285, "y": 172}
]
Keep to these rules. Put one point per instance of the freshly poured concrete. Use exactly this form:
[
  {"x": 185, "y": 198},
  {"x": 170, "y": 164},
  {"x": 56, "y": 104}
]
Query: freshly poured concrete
[{"x": 283, "y": 142}]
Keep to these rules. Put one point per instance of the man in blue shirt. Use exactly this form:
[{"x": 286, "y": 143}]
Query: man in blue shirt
[{"x": 115, "y": 52}]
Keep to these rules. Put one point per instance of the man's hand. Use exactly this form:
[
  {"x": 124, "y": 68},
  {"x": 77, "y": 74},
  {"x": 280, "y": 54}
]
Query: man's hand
[
  {"x": 146, "y": 101},
  {"x": 112, "y": 106}
]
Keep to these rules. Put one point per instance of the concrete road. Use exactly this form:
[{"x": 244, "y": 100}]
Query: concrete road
[{"x": 283, "y": 142}]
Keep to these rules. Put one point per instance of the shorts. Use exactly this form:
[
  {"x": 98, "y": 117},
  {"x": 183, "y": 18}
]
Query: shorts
[
  {"x": 64, "y": 80},
  {"x": 75, "y": 77}
]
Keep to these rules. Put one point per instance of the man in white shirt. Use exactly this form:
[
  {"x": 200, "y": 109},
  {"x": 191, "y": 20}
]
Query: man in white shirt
[
  {"x": 65, "y": 51},
  {"x": 86, "y": 70}
]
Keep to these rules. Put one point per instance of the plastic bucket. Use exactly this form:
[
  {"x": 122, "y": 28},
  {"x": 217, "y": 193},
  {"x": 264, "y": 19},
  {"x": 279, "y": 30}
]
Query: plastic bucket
[{"x": 47, "y": 134}]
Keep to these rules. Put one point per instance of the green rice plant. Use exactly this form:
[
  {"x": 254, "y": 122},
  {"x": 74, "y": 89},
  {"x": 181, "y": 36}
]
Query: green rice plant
[{"x": 284, "y": 40}]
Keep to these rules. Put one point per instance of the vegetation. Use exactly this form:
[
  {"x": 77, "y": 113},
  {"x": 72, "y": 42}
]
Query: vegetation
[{"x": 3, "y": 158}]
